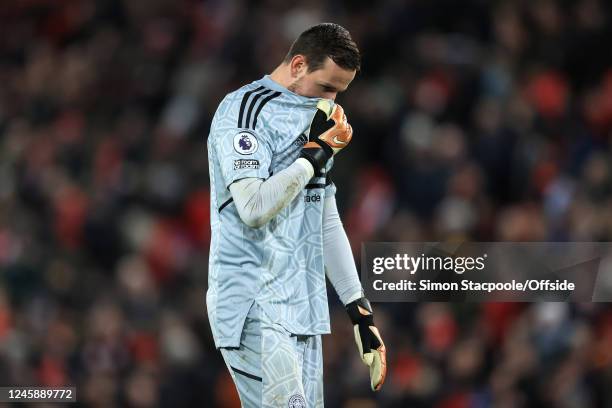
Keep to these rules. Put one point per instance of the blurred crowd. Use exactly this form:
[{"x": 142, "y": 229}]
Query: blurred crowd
[{"x": 474, "y": 120}]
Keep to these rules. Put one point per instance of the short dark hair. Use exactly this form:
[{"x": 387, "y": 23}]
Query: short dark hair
[{"x": 326, "y": 40}]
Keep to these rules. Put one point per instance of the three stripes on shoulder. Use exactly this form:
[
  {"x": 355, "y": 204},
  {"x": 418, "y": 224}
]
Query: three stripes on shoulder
[{"x": 244, "y": 121}]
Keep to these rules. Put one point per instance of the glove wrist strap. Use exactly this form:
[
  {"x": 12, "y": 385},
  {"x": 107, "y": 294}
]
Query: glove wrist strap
[
  {"x": 317, "y": 156},
  {"x": 356, "y": 316}
]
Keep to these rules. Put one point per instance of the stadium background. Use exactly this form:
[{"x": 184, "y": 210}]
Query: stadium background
[{"x": 480, "y": 120}]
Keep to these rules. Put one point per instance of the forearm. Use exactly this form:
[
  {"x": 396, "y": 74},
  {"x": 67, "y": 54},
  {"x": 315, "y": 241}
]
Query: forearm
[
  {"x": 339, "y": 263},
  {"x": 259, "y": 201}
]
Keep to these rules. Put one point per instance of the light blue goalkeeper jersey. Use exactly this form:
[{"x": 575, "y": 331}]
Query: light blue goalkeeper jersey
[{"x": 258, "y": 131}]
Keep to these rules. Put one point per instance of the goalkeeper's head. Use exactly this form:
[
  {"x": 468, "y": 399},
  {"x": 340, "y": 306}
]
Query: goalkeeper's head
[{"x": 321, "y": 62}]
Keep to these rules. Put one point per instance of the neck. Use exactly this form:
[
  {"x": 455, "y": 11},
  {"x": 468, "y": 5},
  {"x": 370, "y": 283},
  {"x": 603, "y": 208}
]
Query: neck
[{"x": 282, "y": 76}]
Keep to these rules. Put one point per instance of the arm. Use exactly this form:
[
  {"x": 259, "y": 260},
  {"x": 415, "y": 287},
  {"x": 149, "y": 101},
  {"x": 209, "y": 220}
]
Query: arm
[
  {"x": 258, "y": 201},
  {"x": 342, "y": 274},
  {"x": 339, "y": 263}
]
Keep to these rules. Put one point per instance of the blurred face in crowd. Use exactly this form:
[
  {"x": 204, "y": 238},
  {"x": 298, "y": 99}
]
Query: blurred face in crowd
[{"x": 324, "y": 82}]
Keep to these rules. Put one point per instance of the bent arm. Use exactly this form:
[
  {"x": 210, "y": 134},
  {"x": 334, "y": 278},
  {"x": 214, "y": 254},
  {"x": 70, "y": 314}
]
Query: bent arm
[{"x": 258, "y": 201}]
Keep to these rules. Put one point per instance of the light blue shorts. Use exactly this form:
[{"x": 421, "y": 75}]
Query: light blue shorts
[{"x": 274, "y": 368}]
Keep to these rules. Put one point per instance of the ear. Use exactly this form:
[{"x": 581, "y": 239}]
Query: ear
[{"x": 298, "y": 65}]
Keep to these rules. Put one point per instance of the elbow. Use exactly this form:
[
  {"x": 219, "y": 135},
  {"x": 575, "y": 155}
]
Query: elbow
[
  {"x": 251, "y": 218},
  {"x": 253, "y": 221},
  {"x": 256, "y": 217}
]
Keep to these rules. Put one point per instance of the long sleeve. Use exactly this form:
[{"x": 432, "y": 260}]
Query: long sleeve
[
  {"x": 258, "y": 201},
  {"x": 339, "y": 263}
]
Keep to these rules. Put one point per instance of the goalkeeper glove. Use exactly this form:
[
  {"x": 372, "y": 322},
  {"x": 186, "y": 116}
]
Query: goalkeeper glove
[
  {"x": 329, "y": 133},
  {"x": 371, "y": 347}
]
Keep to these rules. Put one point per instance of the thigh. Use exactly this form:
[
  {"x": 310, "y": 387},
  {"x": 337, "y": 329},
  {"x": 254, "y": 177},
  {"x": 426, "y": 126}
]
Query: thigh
[
  {"x": 273, "y": 368},
  {"x": 281, "y": 368},
  {"x": 244, "y": 362},
  {"x": 312, "y": 371}
]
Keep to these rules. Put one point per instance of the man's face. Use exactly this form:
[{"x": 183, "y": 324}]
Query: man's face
[{"x": 325, "y": 82}]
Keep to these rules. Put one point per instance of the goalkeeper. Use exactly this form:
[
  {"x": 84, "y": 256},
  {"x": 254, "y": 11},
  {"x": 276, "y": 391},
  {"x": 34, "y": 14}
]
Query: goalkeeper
[{"x": 276, "y": 232}]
